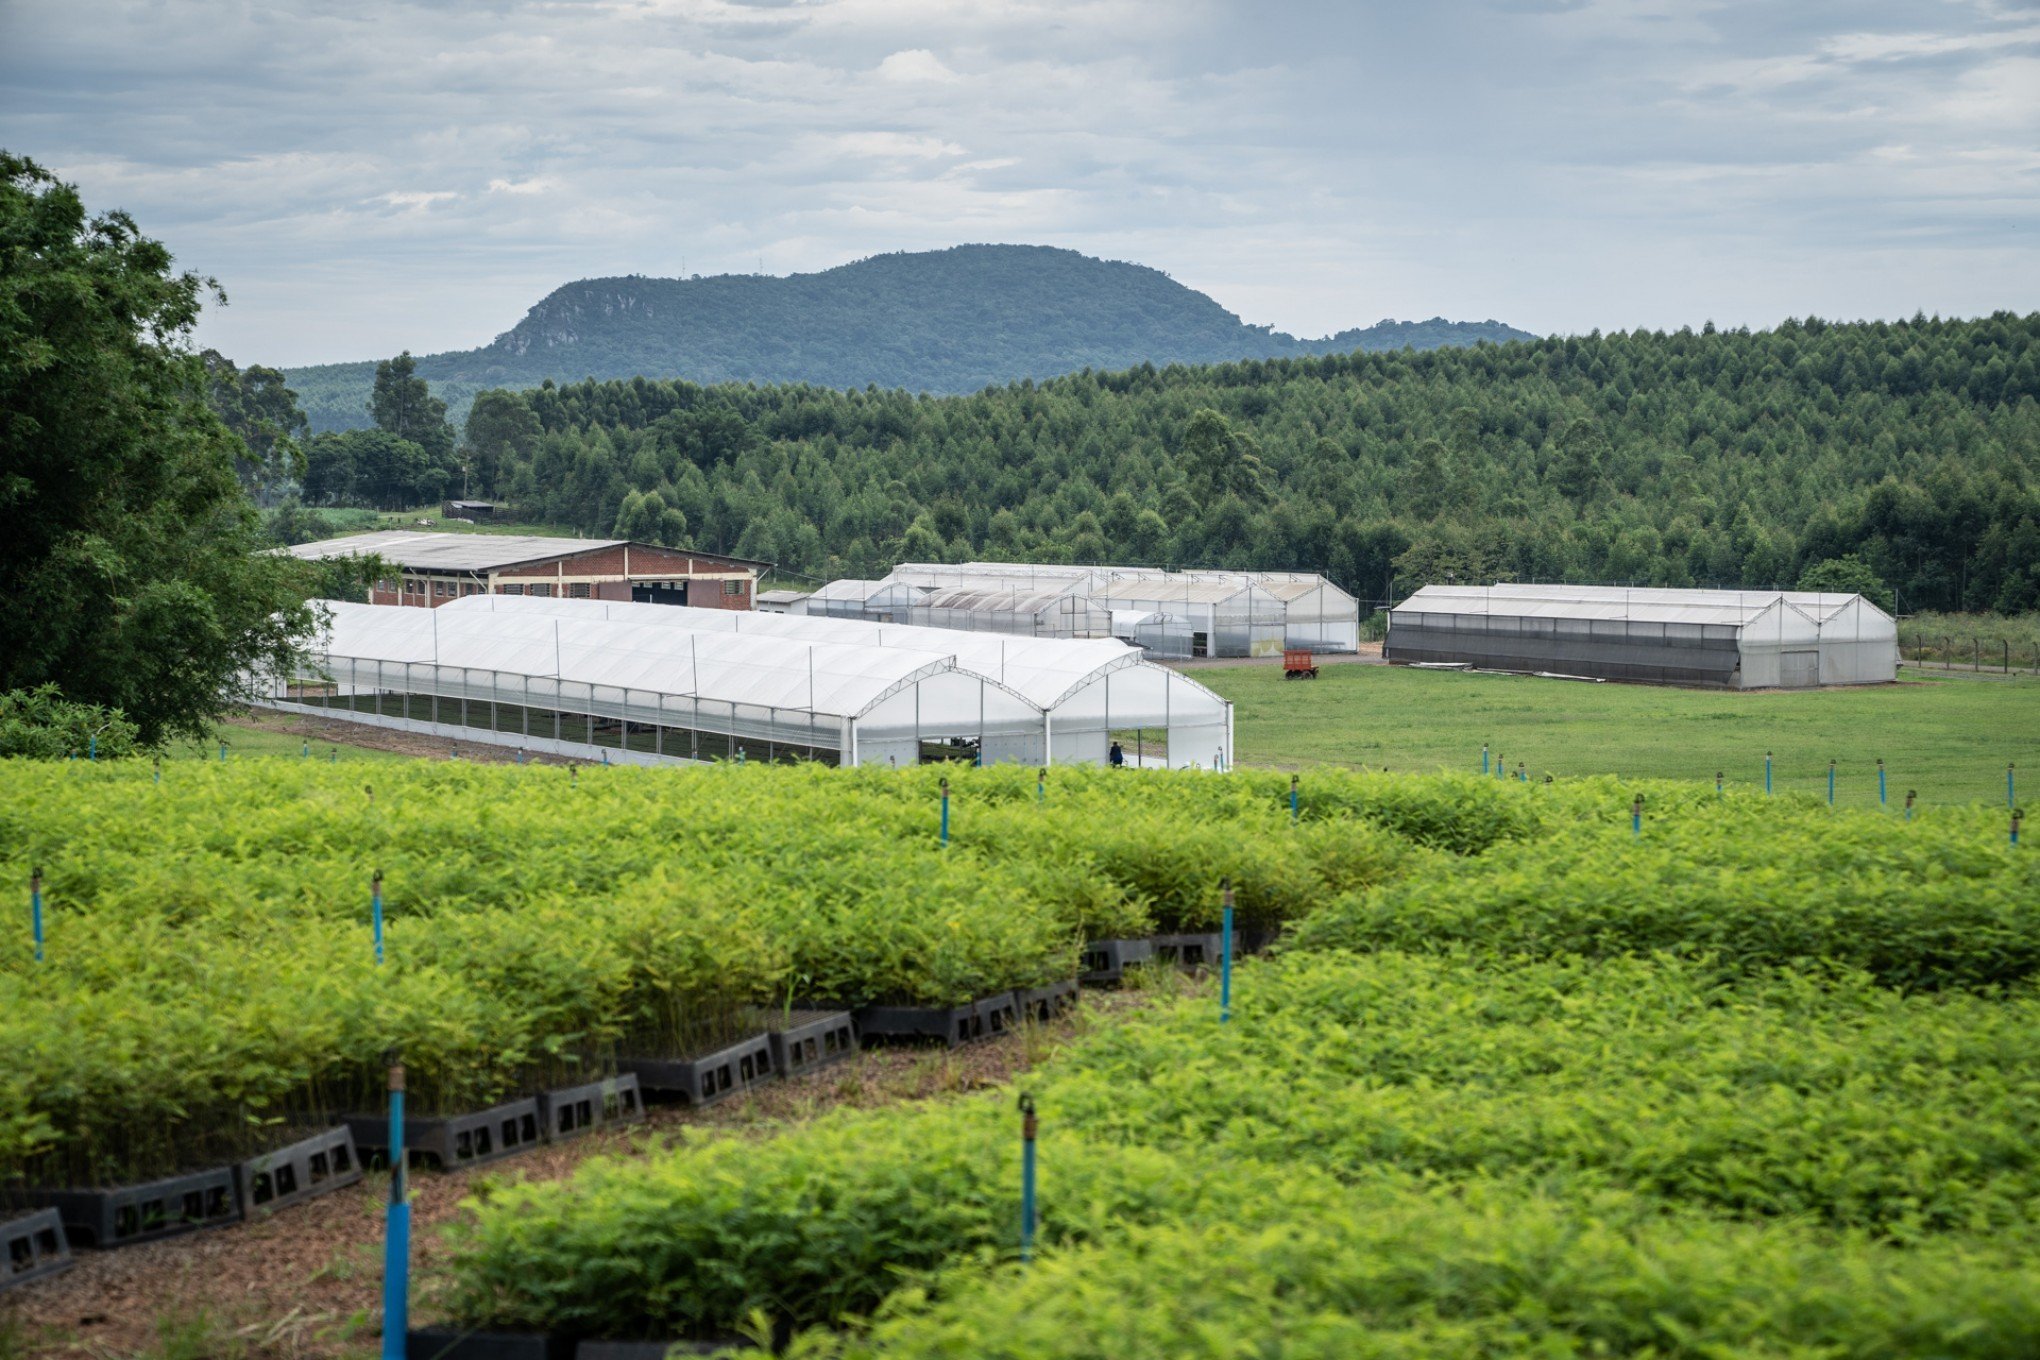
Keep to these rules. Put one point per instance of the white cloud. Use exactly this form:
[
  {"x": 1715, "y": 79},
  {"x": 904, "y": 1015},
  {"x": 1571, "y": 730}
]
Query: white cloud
[
  {"x": 895, "y": 144},
  {"x": 916, "y": 64},
  {"x": 538, "y": 184},
  {"x": 410, "y": 198}
]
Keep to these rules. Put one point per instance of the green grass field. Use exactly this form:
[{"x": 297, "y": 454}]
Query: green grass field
[
  {"x": 1948, "y": 737},
  {"x": 270, "y": 739}
]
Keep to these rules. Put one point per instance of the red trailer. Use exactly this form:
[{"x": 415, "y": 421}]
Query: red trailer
[{"x": 1298, "y": 665}]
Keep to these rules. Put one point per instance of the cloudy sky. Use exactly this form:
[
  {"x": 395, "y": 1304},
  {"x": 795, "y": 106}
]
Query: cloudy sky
[{"x": 371, "y": 175}]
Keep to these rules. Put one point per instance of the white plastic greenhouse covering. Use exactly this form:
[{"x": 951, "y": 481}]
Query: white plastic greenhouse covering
[
  {"x": 664, "y": 682},
  {"x": 1032, "y": 613},
  {"x": 1741, "y": 639}
]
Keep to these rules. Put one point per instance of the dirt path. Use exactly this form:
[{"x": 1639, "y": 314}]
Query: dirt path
[
  {"x": 338, "y": 732},
  {"x": 307, "y": 1283}
]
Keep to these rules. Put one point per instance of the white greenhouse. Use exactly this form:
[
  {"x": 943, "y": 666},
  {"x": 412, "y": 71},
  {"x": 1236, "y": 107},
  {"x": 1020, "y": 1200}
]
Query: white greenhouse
[
  {"x": 1749, "y": 639},
  {"x": 646, "y": 683}
]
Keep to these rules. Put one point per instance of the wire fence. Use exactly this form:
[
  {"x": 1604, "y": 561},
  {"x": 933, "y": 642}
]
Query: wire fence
[{"x": 1979, "y": 654}]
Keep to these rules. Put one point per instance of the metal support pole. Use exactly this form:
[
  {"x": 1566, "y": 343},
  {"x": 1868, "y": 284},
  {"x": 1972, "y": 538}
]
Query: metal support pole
[
  {"x": 35, "y": 910},
  {"x": 1225, "y": 952},
  {"x": 397, "y": 1233},
  {"x": 1029, "y": 1128}
]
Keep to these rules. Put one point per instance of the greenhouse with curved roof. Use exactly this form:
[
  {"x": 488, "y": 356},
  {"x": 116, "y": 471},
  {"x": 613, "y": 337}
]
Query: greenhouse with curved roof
[{"x": 646, "y": 683}]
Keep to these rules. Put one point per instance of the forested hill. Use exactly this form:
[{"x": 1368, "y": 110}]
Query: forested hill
[
  {"x": 935, "y": 321},
  {"x": 1676, "y": 459}
]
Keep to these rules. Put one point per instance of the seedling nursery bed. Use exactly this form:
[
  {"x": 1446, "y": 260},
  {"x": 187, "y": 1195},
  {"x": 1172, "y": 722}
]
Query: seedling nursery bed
[
  {"x": 1105, "y": 961},
  {"x": 1043, "y": 1004},
  {"x": 804, "y": 1041}
]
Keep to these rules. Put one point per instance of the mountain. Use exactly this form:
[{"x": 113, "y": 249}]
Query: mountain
[{"x": 943, "y": 321}]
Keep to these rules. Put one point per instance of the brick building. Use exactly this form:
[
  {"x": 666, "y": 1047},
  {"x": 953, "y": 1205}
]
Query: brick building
[{"x": 432, "y": 568}]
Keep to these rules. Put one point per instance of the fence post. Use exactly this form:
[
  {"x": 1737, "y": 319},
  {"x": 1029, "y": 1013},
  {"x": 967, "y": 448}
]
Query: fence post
[
  {"x": 35, "y": 909},
  {"x": 1225, "y": 952},
  {"x": 396, "y": 1323},
  {"x": 1029, "y": 1127}
]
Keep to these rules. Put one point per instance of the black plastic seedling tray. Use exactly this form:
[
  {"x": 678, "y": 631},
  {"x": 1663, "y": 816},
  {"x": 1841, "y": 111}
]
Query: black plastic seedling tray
[
  {"x": 305, "y": 1169},
  {"x": 649, "y": 1350},
  {"x": 33, "y": 1247},
  {"x": 453, "y": 1343},
  {"x": 708, "y": 1078},
  {"x": 804, "y": 1041},
  {"x": 1193, "y": 951},
  {"x": 570, "y": 1111},
  {"x": 127, "y": 1214},
  {"x": 951, "y": 1025},
  {"x": 1043, "y": 1004},
  {"x": 454, "y": 1140},
  {"x": 1105, "y": 961}
]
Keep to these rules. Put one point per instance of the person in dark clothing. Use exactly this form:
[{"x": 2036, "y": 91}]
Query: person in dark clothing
[{"x": 1117, "y": 755}]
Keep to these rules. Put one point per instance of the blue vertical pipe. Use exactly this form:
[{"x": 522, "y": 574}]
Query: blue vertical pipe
[
  {"x": 1041, "y": 786},
  {"x": 1717, "y": 783},
  {"x": 223, "y": 753},
  {"x": 159, "y": 769},
  {"x": 1483, "y": 759},
  {"x": 1880, "y": 782},
  {"x": 1028, "y": 1129},
  {"x": 305, "y": 751},
  {"x": 1636, "y": 816},
  {"x": 1767, "y": 772},
  {"x": 1910, "y": 794},
  {"x": 2009, "y": 789},
  {"x": 92, "y": 747},
  {"x": 397, "y": 1236},
  {"x": 375, "y": 906},
  {"x": 1521, "y": 777},
  {"x": 35, "y": 910},
  {"x": 1831, "y": 783},
  {"x": 1225, "y": 955},
  {"x": 1295, "y": 808},
  {"x": 945, "y": 812}
]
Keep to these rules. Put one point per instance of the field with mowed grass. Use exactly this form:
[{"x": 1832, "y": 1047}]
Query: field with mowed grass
[{"x": 1948, "y": 737}]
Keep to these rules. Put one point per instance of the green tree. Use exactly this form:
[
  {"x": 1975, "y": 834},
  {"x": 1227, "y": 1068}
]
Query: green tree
[
  {"x": 134, "y": 569},
  {"x": 263, "y": 413},
  {"x": 501, "y": 430},
  {"x": 1847, "y": 575},
  {"x": 1222, "y": 461}
]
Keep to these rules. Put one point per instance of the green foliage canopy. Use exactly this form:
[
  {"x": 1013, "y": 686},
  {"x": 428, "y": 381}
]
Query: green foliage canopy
[{"x": 132, "y": 564}]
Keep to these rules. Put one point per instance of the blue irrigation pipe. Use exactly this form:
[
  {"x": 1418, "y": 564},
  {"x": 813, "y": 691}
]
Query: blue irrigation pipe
[
  {"x": 305, "y": 751},
  {"x": 397, "y": 1232},
  {"x": 35, "y": 910},
  {"x": 1636, "y": 816},
  {"x": 1295, "y": 810},
  {"x": 1225, "y": 953},
  {"x": 945, "y": 812},
  {"x": 1521, "y": 777},
  {"x": 1717, "y": 782},
  {"x": 1910, "y": 794},
  {"x": 159, "y": 769},
  {"x": 375, "y": 908},
  {"x": 1028, "y": 1129},
  {"x": 1041, "y": 786},
  {"x": 92, "y": 747},
  {"x": 223, "y": 753},
  {"x": 1483, "y": 759},
  {"x": 1767, "y": 772},
  {"x": 1880, "y": 781},
  {"x": 2009, "y": 787},
  {"x": 1831, "y": 783}
]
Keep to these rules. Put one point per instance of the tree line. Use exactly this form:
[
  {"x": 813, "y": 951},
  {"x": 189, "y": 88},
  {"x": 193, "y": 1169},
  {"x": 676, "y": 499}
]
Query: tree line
[{"x": 1897, "y": 455}]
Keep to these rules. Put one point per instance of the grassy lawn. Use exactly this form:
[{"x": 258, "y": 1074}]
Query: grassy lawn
[
  {"x": 1948, "y": 737},
  {"x": 269, "y": 738}
]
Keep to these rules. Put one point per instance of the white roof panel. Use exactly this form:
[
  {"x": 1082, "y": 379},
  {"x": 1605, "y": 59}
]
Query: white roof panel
[
  {"x": 1732, "y": 608},
  {"x": 427, "y": 551}
]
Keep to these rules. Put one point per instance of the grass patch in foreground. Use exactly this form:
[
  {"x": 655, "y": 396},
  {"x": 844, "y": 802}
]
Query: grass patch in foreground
[{"x": 1948, "y": 737}]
